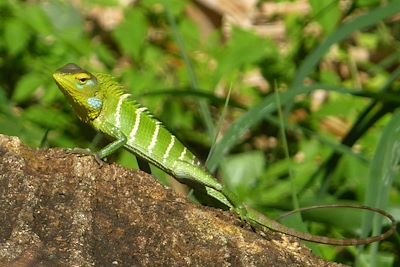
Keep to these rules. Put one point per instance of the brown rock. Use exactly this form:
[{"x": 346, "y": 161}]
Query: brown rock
[{"x": 58, "y": 209}]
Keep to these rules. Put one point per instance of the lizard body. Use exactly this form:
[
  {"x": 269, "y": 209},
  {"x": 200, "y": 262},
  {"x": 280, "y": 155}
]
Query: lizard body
[{"x": 102, "y": 102}]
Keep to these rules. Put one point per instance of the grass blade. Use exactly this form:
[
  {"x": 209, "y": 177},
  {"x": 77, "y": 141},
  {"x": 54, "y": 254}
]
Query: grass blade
[
  {"x": 373, "y": 17},
  {"x": 383, "y": 170},
  {"x": 249, "y": 119},
  {"x": 193, "y": 79}
]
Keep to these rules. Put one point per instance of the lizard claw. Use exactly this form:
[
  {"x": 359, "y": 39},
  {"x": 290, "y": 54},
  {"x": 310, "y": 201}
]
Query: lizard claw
[
  {"x": 86, "y": 152},
  {"x": 98, "y": 159}
]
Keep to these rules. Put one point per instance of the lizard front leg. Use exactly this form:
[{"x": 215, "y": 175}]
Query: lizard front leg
[{"x": 112, "y": 131}]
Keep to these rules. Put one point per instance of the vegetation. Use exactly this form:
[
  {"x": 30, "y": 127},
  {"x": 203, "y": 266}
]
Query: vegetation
[{"x": 297, "y": 105}]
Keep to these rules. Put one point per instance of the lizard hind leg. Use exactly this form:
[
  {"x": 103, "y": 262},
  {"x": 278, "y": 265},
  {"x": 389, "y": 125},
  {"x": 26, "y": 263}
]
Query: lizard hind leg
[{"x": 186, "y": 171}]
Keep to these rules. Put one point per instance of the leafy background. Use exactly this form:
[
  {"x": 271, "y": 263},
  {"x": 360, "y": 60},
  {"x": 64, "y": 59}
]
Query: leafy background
[{"x": 312, "y": 88}]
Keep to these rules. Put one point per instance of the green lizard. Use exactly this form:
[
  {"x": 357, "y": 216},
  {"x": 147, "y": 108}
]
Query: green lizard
[{"x": 101, "y": 102}]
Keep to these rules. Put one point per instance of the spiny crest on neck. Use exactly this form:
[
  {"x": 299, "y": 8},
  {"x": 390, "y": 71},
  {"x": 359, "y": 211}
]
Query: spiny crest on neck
[{"x": 109, "y": 85}]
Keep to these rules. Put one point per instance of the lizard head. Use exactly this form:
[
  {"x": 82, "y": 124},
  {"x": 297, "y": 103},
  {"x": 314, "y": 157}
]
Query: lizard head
[{"x": 81, "y": 88}]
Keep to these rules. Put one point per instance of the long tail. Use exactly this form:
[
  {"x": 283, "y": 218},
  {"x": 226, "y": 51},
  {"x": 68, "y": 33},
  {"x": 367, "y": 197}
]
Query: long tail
[{"x": 260, "y": 221}]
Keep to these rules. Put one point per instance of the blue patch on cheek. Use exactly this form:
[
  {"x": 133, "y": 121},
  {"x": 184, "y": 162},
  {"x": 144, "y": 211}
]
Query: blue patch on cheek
[
  {"x": 90, "y": 83},
  {"x": 94, "y": 102},
  {"x": 79, "y": 86}
]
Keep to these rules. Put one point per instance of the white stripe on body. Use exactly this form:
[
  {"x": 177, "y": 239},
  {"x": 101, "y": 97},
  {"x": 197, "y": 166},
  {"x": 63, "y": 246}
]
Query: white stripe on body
[
  {"x": 170, "y": 146},
  {"x": 182, "y": 156},
  {"x": 194, "y": 160},
  {"x": 118, "y": 110},
  {"x": 154, "y": 138},
  {"x": 135, "y": 128}
]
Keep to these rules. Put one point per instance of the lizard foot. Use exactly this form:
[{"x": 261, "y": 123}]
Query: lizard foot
[{"x": 86, "y": 152}]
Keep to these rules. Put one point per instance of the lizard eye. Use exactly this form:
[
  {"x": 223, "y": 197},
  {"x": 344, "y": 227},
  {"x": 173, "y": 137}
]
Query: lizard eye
[{"x": 83, "y": 78}]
